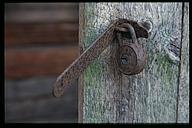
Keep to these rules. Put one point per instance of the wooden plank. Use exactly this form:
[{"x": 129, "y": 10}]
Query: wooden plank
[
  {"x": 183, "y": 94},
  {"x": 149, "y": 97},
  {"x": 40, "y": 108},
  {"x": 40, "y": 12},
  {"x": 31, "y": 100},
  {"x": 22, "y": 63},
  {"x": 28, "y": 89},
  {"x": 41, "y": 33}
]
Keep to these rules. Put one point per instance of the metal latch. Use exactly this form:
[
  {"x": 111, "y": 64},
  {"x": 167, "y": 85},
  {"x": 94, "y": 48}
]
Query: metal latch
[{"x": 131, "y": 56}]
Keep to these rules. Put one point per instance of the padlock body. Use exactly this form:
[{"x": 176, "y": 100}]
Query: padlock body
[{"x": 131, "y": 58}]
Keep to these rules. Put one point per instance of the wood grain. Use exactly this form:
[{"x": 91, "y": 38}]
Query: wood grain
[
  {"x": 149, "y": 97},
  {"x": 183, "y": 89},
  {"x": 22, "y": 63},
  {"x": 80, "y": 79},
  {"x": 41, "y": 33}
]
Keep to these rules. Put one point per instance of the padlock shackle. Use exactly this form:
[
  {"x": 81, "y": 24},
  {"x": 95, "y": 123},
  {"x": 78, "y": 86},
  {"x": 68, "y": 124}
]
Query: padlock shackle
[
  {"x": 131, "y": 30},
  {"x": 125, "y": 28}
]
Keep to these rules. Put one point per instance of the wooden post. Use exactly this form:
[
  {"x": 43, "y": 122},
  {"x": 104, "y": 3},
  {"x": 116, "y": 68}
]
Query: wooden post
[{"x": 160, "y": 93}]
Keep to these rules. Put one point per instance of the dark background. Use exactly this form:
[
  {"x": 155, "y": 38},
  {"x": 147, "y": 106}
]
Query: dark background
[{"x": 41, "y": 40}]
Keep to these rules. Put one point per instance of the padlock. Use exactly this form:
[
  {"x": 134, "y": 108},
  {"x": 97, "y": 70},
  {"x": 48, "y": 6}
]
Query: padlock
[{"x": 131, "y": 56}]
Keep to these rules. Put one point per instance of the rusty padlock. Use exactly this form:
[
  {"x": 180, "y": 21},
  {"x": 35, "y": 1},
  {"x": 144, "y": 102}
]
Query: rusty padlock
[{"x": 131, "y": 56}]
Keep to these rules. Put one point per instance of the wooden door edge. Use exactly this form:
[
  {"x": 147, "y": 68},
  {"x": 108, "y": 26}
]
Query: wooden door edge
[{"x": 80, "y": 80}]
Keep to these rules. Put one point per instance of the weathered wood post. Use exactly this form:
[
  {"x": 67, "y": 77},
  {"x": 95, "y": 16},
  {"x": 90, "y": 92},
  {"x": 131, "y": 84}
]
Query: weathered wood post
[{"x": 160, "y": 93}]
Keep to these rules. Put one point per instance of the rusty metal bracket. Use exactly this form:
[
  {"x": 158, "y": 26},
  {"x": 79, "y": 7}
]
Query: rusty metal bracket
[{"x": 94, "y": 50}]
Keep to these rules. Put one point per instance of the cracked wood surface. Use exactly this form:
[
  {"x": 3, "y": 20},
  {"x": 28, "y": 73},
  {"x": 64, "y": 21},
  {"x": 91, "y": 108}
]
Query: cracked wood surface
[{"x": 159, "y": 94}]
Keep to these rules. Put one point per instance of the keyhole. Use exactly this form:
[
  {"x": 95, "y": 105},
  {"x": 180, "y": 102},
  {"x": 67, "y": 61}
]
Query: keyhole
[{"x": 124, "y": 59}]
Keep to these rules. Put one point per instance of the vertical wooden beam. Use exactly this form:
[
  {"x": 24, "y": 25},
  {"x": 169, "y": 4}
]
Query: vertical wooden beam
[
  {"x": 80, "y": 84},
  {"x": 151, "y": 96}
]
